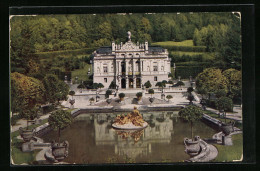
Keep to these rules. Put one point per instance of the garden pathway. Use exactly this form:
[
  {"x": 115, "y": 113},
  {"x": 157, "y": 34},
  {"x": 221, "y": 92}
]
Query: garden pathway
[{"x": 236, "y": 115}]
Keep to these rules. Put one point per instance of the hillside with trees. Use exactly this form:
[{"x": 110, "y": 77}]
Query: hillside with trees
[{"x": 32, "y": 36}]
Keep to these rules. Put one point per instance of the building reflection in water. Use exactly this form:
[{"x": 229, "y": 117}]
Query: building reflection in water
[{"x": 135, "y": 143}]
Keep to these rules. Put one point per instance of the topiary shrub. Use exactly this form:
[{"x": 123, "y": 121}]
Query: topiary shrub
[
  {"x": 139, "y": 96},
  {"x": 108, "y": 92}
]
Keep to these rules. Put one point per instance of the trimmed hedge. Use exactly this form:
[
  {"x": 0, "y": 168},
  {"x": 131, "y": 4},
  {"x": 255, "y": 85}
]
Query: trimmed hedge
[
  {"x": 44, "y": 55},
  {"x": 193, "y": 64},
  {"x": 185, "y": 48},
  {"x": 187, "y": 71}
]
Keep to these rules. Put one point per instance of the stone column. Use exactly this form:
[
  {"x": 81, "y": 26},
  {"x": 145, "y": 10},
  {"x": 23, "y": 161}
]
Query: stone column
[
  {"x": 117, "y": 68},
  {"x": 134, "y": 67},
  {"x": 134, "y": 82},
  {"x": 120, "y": 68},
  {"x": 119, "y": 82},
  {"x": 126, "y": 68},
  {"x": 141, "y": 66},
  {"x": 126, "y": 82}
]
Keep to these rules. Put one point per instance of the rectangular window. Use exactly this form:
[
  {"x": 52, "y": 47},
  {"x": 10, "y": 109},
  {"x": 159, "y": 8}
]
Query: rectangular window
[
  {"x": 155, "y": 78},
  {"x": 105, "y": 80},
  {"x": 155, "y": 68},
  {"x": 105, "y": 69}
]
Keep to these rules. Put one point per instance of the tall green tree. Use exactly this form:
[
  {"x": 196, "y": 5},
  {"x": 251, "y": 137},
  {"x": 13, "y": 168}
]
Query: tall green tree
[
  {"x": 210, "y": 80},
  {"x": 59, "y": 120},
  {"x": 26, "y": 92},
  {"x": 55, "y": 88},
  {"x": 191, "y": 113},
  {"x": 234, "y": 78}
]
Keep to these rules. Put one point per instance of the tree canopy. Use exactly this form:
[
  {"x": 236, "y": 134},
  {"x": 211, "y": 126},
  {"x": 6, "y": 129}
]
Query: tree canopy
[
  {"x": 26, "y": 92},
  {"x": 210, "y": 80},
  {"x": 60, "y": 119},
  {"x": 55, "y": 88},
  {"x": 191, "y": 113}
]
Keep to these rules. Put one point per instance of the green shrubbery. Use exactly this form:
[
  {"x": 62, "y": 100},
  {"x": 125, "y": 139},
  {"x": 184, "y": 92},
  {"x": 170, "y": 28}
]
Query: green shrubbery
[
  {"x": 185, "y": 48},
  {"x": 47, "y": 55},
  {"x": 186, "y": 72},
  {"x": 14, "y": 119}
]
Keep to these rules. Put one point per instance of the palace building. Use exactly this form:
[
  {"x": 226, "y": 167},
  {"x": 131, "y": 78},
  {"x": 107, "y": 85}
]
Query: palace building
[{"x": 130, "y": 65}]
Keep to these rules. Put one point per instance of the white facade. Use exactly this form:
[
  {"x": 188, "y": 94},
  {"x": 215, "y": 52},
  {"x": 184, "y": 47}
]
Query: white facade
[{"x": 130, "y": 65}]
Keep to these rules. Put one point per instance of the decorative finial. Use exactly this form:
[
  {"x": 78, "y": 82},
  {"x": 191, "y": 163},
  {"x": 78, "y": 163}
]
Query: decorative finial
[{"x": 129, "y": 36}]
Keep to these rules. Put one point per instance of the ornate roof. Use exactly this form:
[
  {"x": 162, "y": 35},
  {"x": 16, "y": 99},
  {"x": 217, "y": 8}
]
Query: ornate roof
[
  {"x": 104, "y": 50},
  {"x": 155, "y": 49},
  {"x": 108, "y": 49}
]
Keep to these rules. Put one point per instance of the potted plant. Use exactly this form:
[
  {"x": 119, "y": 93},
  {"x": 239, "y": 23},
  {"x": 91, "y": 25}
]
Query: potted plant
[
  {"x": 169, "y": 97},
  {"x": 108, "y": 93},
  {"x": 190, "y": 98},
  {"x": 121, "y": 96},
  {"x": 139, "y": 96},
  {"x": 108, "y": 101},
  {"x": 151, "y": 91},
  {"x": 72, "y": 93},
  {"x": 147, "y": 84},
  {"x": 81, "y": 86},
  {"x": 180, "y": 83},
  {"x": 191, "y": 113},
  {"x": 59, "y": 120},
  {"x": 30, "y": 115},
  {"x": 192, "y": 146},
  {"x": 91, "y": 100}
]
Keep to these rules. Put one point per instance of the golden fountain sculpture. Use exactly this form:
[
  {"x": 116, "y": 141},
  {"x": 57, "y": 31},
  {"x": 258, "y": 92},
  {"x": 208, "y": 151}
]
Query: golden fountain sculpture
[{"x": 133, "y": 120}]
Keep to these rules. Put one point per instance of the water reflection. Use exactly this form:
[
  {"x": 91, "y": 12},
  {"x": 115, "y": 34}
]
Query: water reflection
[
  {"x": 93, "y": 140},
  {"x": 134, "y": 143}
]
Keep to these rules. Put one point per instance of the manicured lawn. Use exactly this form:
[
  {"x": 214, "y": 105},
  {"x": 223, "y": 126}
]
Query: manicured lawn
[
  {"x": 81, "y": 73},
  {"x": 186, "y": 53},
  {"x": 230, "y": 153},
  {"x": 172, "y": 43},
  {"x": 18, "y": 156},
  {"x": 205, "y": 55}
]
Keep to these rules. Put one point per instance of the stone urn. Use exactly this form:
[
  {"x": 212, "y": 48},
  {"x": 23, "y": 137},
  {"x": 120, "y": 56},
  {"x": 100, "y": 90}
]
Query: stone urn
[
  {"x": 72, "y": 101},
  {"x": 60, "y": 150},
  {"x": 192, "y": 147},
  {"x": 227, "y": 128},
  {"x": 151, "y": 99},
  {"x": 121, "y": 99},
  {"x": 26, "y": 134},
  {"x": 109, "y": 101}
]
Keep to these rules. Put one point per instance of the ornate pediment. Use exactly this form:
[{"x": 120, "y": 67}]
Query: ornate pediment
[{"x": 129, "y": 46}]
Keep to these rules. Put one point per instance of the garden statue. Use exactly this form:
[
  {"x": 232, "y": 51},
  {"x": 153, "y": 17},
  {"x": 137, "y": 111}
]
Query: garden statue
[
  {"x": 129, "y": 36},
  {"x": 133, "y": 120}
]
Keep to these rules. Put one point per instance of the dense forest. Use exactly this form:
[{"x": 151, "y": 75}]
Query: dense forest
[{"x": 29, "y": 35}]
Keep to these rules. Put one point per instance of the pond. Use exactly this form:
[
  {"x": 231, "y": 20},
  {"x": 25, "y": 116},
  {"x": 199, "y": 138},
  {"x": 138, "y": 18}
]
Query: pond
[{"x": 92, "y": 140}]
